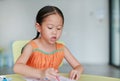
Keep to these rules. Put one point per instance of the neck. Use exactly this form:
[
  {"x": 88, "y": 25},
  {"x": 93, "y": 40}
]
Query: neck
[{"x": 47, "y": 46}]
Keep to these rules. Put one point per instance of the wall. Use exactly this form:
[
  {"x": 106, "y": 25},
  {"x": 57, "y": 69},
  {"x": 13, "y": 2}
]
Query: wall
[{"x": 85, "y": 30}]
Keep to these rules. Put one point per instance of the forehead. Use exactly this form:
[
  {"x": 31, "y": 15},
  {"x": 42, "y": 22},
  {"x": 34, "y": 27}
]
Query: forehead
[{"x": 54, "y": 19}]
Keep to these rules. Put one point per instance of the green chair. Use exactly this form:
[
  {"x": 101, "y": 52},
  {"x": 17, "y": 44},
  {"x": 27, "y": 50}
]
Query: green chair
[{"x": 17, "y": 47}]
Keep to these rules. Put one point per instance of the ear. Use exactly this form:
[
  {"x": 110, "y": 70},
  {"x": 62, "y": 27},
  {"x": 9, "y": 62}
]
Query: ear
[{"x": 38, "y": 27}]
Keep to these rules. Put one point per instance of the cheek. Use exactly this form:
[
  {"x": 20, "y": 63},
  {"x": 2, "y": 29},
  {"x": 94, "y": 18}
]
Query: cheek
[
  {"x": 45, "y": 31},
  {"x": 59, "y": 33}
]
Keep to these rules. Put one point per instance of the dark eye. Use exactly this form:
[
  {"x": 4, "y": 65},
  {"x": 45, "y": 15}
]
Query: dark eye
[
  {"x": 50, "y": 27},
  {"x": 59, "y": 28}
]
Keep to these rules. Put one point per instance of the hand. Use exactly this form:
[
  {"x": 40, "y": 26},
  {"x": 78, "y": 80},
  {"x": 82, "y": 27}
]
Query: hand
[
  {"x": 50, "y": 74},
  {"x": 74, "y": 75}
]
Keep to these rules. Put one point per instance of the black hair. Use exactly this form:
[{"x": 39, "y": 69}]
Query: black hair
[{"x": 46, "y": 11}]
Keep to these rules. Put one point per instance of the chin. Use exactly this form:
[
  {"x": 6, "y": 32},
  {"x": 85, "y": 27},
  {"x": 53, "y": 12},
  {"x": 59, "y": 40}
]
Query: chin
[{"x": 52, "y": 42}]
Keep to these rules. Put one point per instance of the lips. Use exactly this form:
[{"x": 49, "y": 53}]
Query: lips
[{"x": 53, "y": 38}]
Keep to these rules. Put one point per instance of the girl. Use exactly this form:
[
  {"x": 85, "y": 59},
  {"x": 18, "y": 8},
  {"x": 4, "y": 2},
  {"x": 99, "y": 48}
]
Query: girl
[{"x": 42, "y": 56}]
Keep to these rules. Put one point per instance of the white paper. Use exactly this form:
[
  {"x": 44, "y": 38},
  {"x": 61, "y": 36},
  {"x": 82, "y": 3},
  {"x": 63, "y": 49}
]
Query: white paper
[{"x": 61, "y": 78}]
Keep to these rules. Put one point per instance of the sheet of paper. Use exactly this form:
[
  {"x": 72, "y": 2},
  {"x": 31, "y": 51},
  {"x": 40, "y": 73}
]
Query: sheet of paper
[
  {"x": 61, "y": 78},
  {"x": 64, "y": 79}
]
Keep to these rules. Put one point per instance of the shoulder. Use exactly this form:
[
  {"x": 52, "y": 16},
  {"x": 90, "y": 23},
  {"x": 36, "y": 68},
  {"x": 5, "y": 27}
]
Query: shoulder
[
  {"x": 63, "y": 47},
  {"x": 67, "y": 51},
  {"x": 32, "y": 44},
  {"x": 60, "y": 45},
  {"x": 29, "y": 46}
]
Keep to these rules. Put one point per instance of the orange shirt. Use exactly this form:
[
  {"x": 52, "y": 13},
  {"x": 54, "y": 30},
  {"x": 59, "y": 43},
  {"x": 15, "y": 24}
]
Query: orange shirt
[{"x": 43, "y": 60}]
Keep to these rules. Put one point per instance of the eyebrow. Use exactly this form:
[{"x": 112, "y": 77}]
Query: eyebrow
[{"x": 55, "y": 26}]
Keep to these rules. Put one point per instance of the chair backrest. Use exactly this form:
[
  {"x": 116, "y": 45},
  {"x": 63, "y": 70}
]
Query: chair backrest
[{"x": 17, "y": 47}]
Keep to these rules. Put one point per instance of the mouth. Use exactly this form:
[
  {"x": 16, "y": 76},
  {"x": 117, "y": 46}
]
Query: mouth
[{"x": 53, "y": 38}]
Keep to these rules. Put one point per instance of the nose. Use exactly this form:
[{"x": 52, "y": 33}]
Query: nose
[{"x": 55, "y": 31}]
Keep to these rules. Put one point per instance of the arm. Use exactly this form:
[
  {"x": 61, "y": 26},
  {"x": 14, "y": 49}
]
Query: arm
[
  {"x": 20, "y": 66},
  {"x": 77, "y": 67}
]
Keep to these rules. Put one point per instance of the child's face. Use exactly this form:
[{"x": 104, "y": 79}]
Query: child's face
[{"x": 51, "y": 28}]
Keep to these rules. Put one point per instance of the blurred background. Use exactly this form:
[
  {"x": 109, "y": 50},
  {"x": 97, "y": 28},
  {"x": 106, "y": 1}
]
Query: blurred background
[{"x": 91, "y": 32}]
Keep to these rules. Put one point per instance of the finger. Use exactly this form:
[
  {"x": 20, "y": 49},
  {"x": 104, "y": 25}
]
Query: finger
[
  {"x": 76, "y": 77},
  {"x": 56, "y": 71},
  {"x": 53, "y": 72},
  {"x": 57, "y": 78},
  {"x": 73, "y": 76},
  {"x": 51, "y": 78}
]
